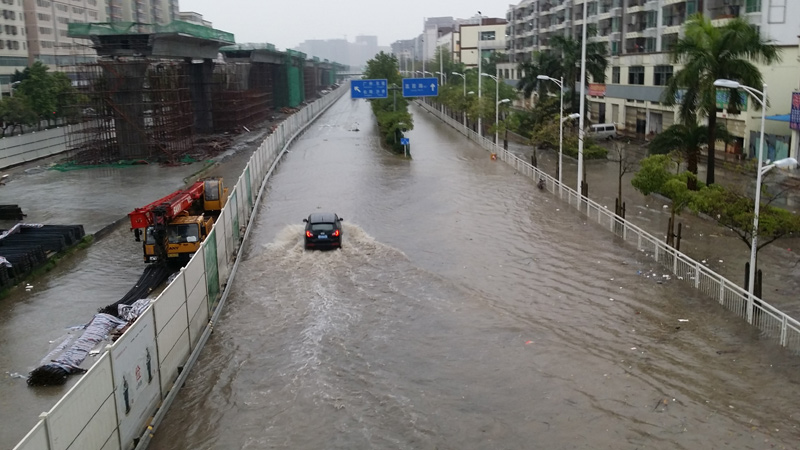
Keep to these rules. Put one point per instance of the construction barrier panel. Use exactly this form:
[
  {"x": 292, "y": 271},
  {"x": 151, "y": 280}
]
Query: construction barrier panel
[
  {"x": 34, "y": 145},
  {"x": 120, "y": 401}
]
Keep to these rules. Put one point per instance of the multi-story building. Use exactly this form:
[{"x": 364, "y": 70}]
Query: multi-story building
[
  {"x": 46, "y": 31},
  {"x": 13, "y": 45},
  {"x": 141, "y": 11},
  {"x": 195, "y": 18},
  {"x": 639, "y": 34},
  {"x": 492, "y": 35}
]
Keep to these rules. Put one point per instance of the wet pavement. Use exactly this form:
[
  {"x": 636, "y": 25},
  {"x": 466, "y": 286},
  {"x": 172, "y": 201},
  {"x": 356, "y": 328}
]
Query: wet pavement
[
  {"x": 467, "y": 309},
  {"x": 702, "y": 239},
  {"x": 33, "y": 323}
]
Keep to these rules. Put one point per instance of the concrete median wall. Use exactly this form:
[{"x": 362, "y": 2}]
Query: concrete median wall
[{"x": 120, "y": 401}]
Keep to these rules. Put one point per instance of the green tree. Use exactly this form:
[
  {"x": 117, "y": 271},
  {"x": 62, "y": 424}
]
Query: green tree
[
  {"x": 735, "y": 211},
  {"x": 391, "y": 113},
  {"x": 38, "y": 87},
  {"x": 687, "y": 139},
  {"x": 16, "y": 112},
  {"x": 708, "y": 53},
  {"x": 653, "y": 174},
  {"x": 545, "y": 63},
  {"x": 67, "y": 97},
  {"x": 569, "y": 49}
]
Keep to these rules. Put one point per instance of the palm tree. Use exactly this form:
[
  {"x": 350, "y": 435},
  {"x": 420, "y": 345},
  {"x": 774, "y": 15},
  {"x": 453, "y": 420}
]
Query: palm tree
[
  {"x": 709, "y": 53},
  {"x": 569, "y": 50},
  {"x": 686, "y": 138},
  {"x": 541, "y": 64}
]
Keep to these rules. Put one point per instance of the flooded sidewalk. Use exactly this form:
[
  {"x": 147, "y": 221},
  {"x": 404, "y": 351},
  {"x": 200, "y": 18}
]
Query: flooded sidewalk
[{"x": 703, "y": 239}]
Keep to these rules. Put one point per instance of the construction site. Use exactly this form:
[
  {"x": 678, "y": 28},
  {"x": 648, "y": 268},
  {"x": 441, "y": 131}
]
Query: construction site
[{"x": 178, "y": 92}]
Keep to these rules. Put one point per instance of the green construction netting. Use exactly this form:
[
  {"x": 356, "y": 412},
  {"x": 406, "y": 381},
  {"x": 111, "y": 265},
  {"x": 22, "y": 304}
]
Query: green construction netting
[
  {"x": 85, "y": 30},
  {"x": 72, "y": 165}
]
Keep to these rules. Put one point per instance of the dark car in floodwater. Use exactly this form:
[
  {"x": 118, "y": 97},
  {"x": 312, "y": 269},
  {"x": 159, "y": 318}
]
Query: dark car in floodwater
[{"x": 323, "y": 231}]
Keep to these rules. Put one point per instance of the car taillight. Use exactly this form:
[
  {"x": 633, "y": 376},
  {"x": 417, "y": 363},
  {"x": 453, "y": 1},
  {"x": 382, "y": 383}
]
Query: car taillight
[
  {"x": 335, "y": 233},
  {"x": 309, "y": 234}
]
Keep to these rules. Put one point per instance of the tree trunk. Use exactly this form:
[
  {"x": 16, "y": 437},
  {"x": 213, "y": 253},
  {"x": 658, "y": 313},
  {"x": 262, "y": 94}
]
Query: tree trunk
[
  {"x": 712, "y": 123},
  {"x": 691, "y": 166}
]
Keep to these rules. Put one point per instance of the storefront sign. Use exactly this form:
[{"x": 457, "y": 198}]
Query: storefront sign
[
  {"x": 597, "y": 89},
  {"x": 794, "y": 115},
  {"x": 724, "y": 94},
  {"x": 722, "y": 98}
]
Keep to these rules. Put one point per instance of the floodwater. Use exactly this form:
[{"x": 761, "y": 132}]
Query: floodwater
[
  {"x": 466, "y": 310},
  {"x": 34, "y": 322}
]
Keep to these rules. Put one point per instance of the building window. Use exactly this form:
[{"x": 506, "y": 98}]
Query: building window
[
  {"x": 487, "y": 35},
  {"x": 43, "y": 17},
  {"x": 61, "y": 7},
  {"x": 752, "y": 6},
  {"x": 43, "y": 30},
  {"x": 615, "y": 75},
  {"x": 636, "y": 75},
  {"x": 661, "y": 75}
]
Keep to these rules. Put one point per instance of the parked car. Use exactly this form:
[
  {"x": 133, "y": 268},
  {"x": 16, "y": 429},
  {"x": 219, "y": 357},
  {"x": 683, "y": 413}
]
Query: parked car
[
  {"x": 323, "y": 231},
  {"x": 603, "y": 131}
]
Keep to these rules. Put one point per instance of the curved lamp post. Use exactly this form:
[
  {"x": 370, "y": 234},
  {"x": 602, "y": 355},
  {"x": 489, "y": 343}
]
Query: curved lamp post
[
  {"x": 761, "y": 98},
  {"x": 496, "y": 97},
  {"x": 560, "y": 83},
  {"x": 464, "y": 113}
]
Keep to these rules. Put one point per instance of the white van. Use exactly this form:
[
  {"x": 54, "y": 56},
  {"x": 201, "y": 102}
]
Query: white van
[{"x": 603, "y": 131}]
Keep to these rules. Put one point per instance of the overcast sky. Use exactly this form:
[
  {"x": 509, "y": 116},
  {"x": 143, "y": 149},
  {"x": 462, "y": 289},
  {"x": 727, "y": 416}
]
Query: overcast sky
[{"x": 287, "y": 23}]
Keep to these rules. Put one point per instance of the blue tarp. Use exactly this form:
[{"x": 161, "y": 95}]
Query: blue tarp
[{"x": 779, "y": 118}]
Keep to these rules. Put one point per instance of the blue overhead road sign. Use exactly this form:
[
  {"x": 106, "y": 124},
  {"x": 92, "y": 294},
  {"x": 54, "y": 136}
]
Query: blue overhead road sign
[
  {"x": 368, "y": 89},
  {"x": 420, "y": 87}
]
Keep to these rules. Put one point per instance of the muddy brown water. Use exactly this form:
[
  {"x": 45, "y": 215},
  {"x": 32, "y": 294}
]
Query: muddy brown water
[{"x": 466, "y": 309}]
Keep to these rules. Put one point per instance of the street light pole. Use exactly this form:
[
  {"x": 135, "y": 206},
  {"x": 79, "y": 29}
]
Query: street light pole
[
  {"x": 754, "y": 241},
  {"x": 463, "y": 113},
  {"x": 497, "y": 103},
  {"x": 583, "y": 100},
  {"x": 480, "y": 71},
  {"x": 560, "y": 84}
]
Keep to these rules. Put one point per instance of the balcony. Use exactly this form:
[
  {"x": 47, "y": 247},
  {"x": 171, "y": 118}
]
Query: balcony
[
  {"x": 674, "y": 20},
  {"x": 727, "y": 9}
]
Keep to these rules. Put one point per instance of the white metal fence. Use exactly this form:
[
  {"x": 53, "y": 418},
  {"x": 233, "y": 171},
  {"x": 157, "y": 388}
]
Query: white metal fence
[
  {"x": 121, "y": 400},
  {"x": 773, "y": 323}
]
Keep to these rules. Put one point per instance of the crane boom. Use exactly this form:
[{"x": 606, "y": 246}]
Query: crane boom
[{"x": 167, "y": 208}]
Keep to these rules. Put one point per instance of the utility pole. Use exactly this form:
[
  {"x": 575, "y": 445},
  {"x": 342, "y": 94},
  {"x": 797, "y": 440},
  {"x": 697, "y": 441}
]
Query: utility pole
[{"x": 480, "y": 71}]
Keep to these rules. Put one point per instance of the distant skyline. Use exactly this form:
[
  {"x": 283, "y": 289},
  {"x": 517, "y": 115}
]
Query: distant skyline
[{"x": 289, "y": 23}]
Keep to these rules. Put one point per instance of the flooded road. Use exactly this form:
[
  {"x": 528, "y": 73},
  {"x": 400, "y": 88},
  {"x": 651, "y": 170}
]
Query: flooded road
[
  {"x": 33, "y": 323},
  {"x": 466, "y": 309}
]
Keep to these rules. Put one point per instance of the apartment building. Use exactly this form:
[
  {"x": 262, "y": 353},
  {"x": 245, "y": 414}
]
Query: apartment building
[
  {"x": 46, "y": 31},
  {"x": 639, "y": 34},
  {"x": 490, "y": 31},
  {"x": 13, "y": 45},
  {"x": 142, "y": 11}
]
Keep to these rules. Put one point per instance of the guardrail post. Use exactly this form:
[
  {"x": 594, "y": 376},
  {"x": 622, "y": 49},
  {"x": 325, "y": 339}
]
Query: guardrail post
[
  {"x": 697, "y": 275},
  {"x": 674, "y": 261},
  {"x": 721, "y": 290},
  {"x": 784, "y": 326}
]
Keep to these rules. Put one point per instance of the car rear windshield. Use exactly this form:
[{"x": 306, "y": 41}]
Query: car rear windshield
[{"x": 322, "y": 227}]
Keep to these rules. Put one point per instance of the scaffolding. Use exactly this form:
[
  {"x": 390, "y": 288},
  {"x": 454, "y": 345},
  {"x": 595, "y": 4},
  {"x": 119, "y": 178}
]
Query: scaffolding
[
  {"x": 242, "y": 96},
  {"x": 132, "y": 110}
]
